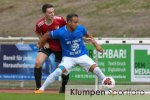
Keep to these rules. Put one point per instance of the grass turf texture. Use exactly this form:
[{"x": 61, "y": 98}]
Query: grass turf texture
[{"x": 30, "y": 96}]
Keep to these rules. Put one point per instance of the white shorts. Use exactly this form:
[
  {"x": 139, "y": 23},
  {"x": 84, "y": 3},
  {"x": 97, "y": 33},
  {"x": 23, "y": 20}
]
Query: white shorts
[{"x": 84, "y": 61}]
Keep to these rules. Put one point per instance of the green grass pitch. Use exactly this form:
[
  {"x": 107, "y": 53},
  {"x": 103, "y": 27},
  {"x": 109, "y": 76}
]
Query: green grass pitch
[
  {"x": 47, "y": 96},
  {"x": 31, "y": 96}
]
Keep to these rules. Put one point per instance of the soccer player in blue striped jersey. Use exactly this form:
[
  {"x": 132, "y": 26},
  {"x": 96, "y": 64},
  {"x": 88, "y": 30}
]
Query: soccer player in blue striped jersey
[{"x": 73, "y": 50}]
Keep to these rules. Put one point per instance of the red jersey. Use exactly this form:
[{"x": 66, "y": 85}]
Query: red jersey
[{"x": 42, "y": 27}]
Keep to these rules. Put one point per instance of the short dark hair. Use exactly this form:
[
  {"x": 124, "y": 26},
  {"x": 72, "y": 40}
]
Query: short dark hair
[
  {"x": 70, "y": 16},
  {"x": 45, "y": 6}
]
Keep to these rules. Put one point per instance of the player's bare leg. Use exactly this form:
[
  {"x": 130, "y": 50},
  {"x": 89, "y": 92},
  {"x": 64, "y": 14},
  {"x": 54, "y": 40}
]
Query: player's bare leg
[{"x": 38, "y": 69}]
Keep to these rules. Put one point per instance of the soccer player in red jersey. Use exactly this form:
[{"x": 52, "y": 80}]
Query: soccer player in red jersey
[{"x": 48, "y": 23}]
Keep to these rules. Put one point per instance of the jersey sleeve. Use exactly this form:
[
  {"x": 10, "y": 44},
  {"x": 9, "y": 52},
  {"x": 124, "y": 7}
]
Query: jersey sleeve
[{"x": 55, "y": 34}]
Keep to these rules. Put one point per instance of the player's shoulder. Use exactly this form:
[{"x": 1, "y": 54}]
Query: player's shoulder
[
  {"x": 40, "y": 22},
  {"x": 59, "y": 31},
  {"x": 62, "y": 29},
  {"x": 81, "y": 26},
  {"x": 58, "y": 18}
]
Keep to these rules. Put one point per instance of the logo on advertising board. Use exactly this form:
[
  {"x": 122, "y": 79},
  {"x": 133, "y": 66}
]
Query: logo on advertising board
[{"x": 140, "y": 64}]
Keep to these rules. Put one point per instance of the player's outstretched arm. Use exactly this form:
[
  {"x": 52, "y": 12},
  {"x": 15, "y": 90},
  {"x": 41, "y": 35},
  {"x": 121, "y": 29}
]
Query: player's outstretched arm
[
  {"x": 88, "y": 40},
  {"x": 92, "y": 40},
  {"x": 43, "y": 40}
]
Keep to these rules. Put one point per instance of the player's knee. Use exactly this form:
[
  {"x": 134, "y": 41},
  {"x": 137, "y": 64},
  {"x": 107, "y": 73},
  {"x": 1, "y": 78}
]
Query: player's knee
[
  {"x": 92, "y": 67},
  {"x": 38, "y": 64},
  {"x": 65, "y": 77},
  {"x": 62, "y": 68}
]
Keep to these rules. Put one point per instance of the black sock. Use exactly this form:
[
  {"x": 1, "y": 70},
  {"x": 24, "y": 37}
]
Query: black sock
[
  {"x": 65, "y": 79},
  {"x": 38, "y": 75}
]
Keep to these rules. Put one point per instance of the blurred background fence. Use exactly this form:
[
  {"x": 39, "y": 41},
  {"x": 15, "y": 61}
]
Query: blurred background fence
[{"x": 125, "y": 59}]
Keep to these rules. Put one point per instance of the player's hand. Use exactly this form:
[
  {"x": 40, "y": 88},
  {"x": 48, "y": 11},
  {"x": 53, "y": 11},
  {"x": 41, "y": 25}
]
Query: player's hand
[{"x": 99, "y": 49}]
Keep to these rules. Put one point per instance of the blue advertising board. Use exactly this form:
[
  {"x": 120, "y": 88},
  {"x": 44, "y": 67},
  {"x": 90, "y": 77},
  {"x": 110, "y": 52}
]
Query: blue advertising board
[{"x": 17, "y": 62}]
